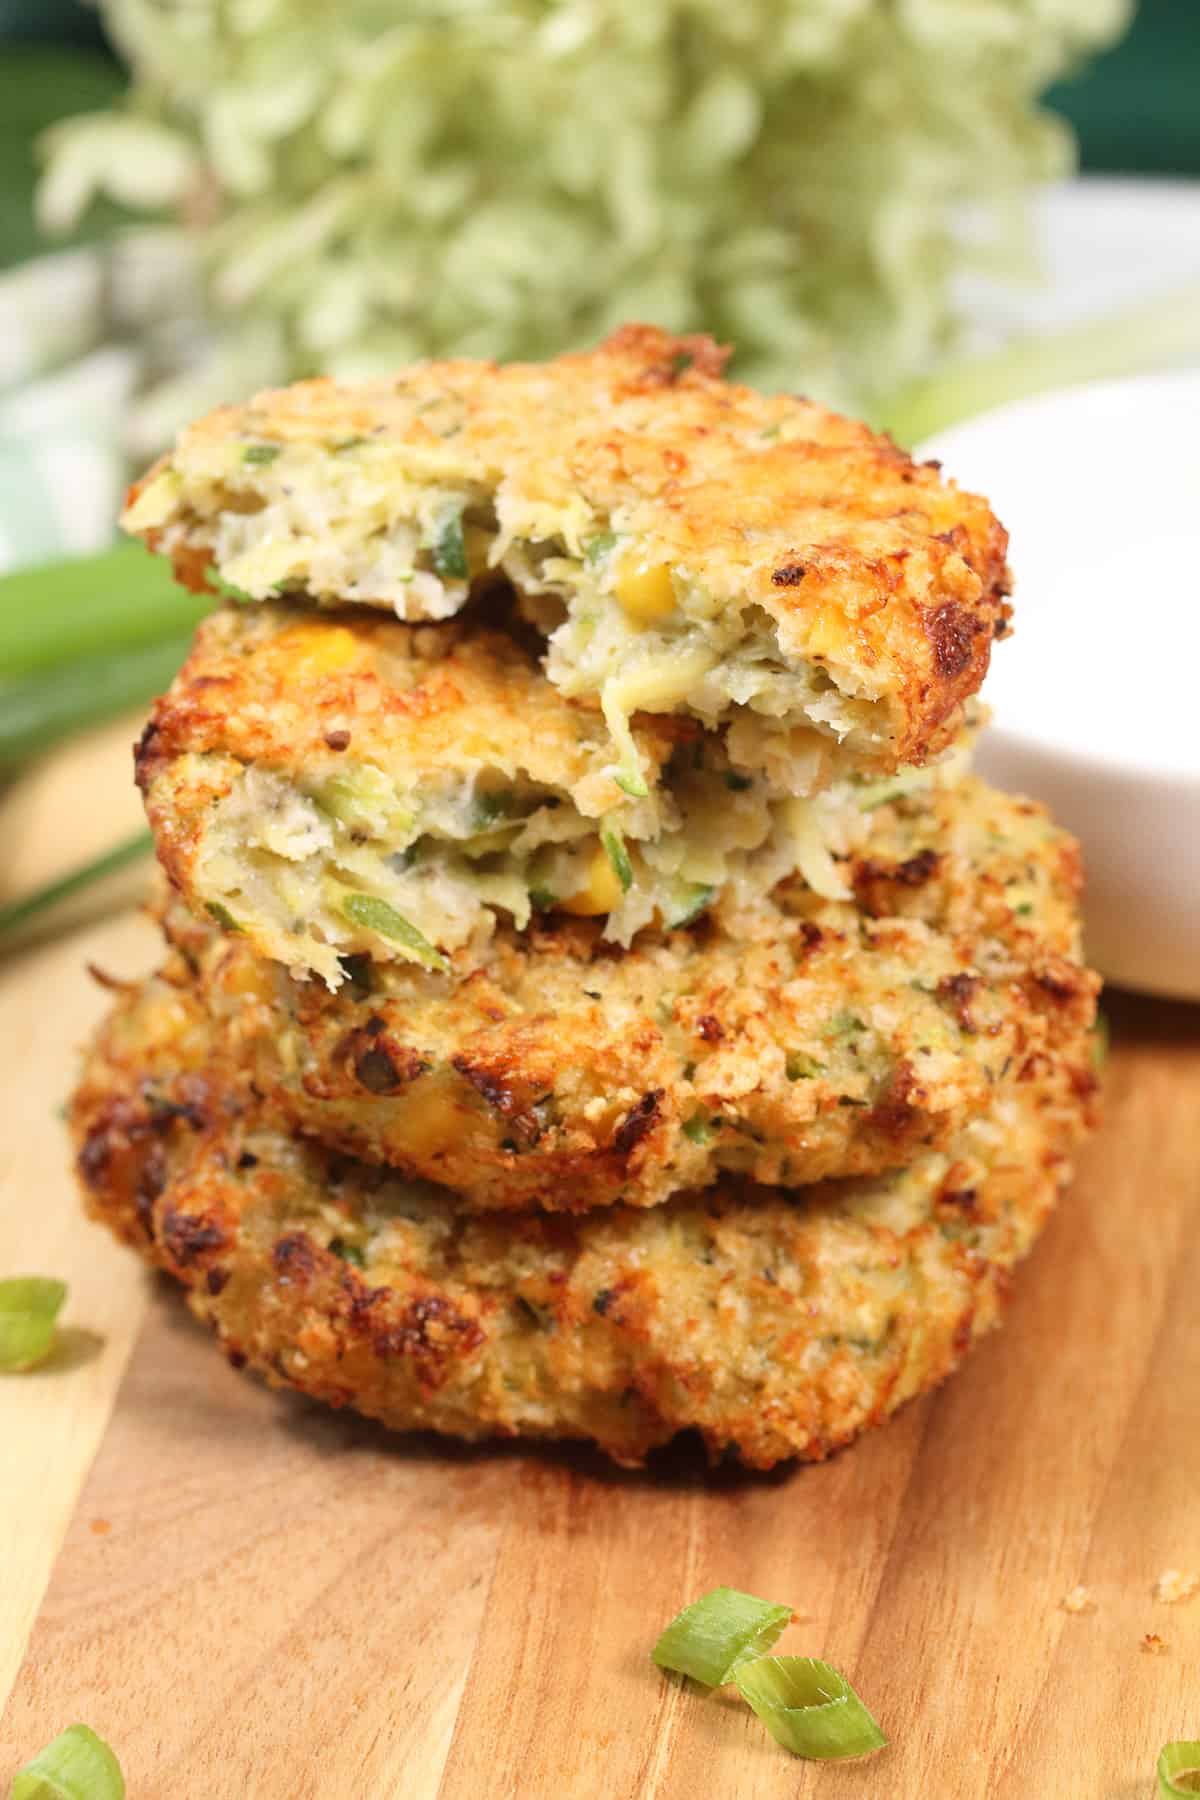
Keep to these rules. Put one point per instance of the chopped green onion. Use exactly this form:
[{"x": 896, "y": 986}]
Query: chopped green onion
[
  {"x": 29, "y": 1307},
  {"x": 18, "y": 912},
  {"x": 351, "y": 443},
  {"x": 736, "y": 783},
  {"x": 1179, "y": 1769},
  {"x": 222, "y": 915},
  {"x": 802, "y": 1067},
  {"x": 717, "y": 1633},
  {"x": 262, "y": 453},
  {"x": 596, "y": 548},
  {"x": 348, "y": 1252},
  {"x": 491, "y": 806},
  {"x": 844, "y": 1024},
  {"x": 542, "y": 899},
  {"x": 697, "y": 1129},
  {"x": 691, "y": 898},
  {"x": 376, "y": 915},
  {"x": 78, "y": 1765},
  {"x": 631, "y": 782},
  {"x": 1098, "y": 1048},
  {"x": 450, "y": 548},
  {"x": 808, "y": 1707},
  {"x": 618, "y": 856}
]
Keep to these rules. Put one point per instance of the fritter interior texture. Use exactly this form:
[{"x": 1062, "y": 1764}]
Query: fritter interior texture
[
  {"x": 342, "y": 784},
  {"x": 825, "y": 1039},
  {"x": 775, "y": 1325},
  {"x": 687, "y": 543}
]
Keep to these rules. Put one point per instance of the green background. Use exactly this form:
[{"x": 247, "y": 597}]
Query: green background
[{"x": 1135, "y": 110}]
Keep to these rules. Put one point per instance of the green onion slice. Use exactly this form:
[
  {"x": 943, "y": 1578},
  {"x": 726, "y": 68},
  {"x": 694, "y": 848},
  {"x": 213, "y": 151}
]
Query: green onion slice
[
  {"x": 450, "y": 548},
  {"x": 618, "y": 856},
  {"x": 690, "y": 900},
  {"x": 631, "y": 782},
  {"x": 261, "y": 453},
  {"x": 802, "y": 1067},
  {"x": 29, "y": 1307},
  {"x": 596, "y": 548},
  {"x": 76, "y": 1766},
  {"x": 717, "y": 1633},
  {"x": 809, "y": 1707},
  {"x": 1179, "y": 1769},
  {"x": 374, "y": 914},
  {"x": 697, "y": 1129}
]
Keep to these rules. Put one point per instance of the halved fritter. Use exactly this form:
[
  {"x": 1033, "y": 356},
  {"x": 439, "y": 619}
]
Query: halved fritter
[
  {"x": 689, "y": 544},
  {"x": 823, "y": 1039},
  {"x": 777, "y": 1325},
  {"x": 346, "y": 783}
]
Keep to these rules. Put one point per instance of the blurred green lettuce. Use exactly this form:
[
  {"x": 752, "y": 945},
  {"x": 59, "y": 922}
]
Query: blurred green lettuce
[{"x": 367, "y": 182}]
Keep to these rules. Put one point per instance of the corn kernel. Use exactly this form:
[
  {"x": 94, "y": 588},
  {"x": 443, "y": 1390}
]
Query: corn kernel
[
  {"x": 319, "y": 649},
  {"x": 600, "y": 893},
  {"x": 646, "y": 593}
]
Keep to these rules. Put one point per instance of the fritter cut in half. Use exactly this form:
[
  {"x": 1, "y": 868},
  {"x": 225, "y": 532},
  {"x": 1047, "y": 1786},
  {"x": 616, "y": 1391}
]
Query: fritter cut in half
[
  {"x": 776, "y": 1325},
  {"x": 828, "y": 1038},
  {"x": 331, "y": 785},
  {"x": 688, "y": 545}
]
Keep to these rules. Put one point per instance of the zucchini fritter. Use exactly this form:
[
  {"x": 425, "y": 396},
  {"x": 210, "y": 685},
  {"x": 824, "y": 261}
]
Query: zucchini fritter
[
  {"x": 689, "y": 544},
  {"x": 331, "y": 785},
  {"x": 822, "y": 1039},
  {"x": 777, "y": 1325}
]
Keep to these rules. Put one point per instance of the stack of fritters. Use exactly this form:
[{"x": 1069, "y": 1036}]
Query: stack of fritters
[{"x": 599, "y": 999}]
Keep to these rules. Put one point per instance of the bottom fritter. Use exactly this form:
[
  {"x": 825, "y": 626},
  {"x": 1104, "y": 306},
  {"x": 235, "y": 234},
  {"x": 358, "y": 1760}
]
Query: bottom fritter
[{"x": 776, "y": 1324}]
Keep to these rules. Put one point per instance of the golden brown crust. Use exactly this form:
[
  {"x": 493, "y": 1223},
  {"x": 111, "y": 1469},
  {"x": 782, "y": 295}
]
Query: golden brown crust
[
  {"x": 775, "y": 1326},
  {"x": 565, "y": 1074},
  {"x": 863, "y": 559}
]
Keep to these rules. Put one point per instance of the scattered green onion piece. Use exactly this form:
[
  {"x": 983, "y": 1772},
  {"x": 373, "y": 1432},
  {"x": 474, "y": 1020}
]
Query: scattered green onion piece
[
  {"x": 78, "y": 1765},
  {"x": 808, "y": 1707},
  {"x": 737, "y": 783},
  {"x": 542, "y": 899},
  {"x": 222, "y": 915},
  {"x": 491, "y": 807},
  {"x": 350, "y": 443},
  {"x": 1179, "y": 1769},
  {"x": 697, "y": 1128},
  {"x": 348, "y": 1252},
  {"x": 692, "y": 897},
  {"x": 262, "y": 453},
  {"x": 450, "y": 548},
  {"x": 376, "y": 915},
  {"x": 631, "y": 782},
  {"x": 29, "y": 1308},
  {"x": 18, "y": 912},
  {"x": 597, "y": 548},
  {"x": 844, "y": 1024},
  {"x": 717, "y": 1633},
  {"x": 802, "y": 1067},
  {"x": 1098, "y": 1048},
  {"x": 618, "y": 856}
]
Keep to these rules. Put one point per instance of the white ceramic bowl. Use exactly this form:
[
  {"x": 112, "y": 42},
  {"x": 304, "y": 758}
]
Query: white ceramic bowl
[{"x": 1096, "y": 697}]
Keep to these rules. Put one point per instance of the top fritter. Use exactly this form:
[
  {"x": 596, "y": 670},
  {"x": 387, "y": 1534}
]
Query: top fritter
[{"x": 686, "y": 544}]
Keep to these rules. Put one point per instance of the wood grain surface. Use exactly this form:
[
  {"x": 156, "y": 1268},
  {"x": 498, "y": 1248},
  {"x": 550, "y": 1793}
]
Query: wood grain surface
[{"x": 256, "y": 1599}]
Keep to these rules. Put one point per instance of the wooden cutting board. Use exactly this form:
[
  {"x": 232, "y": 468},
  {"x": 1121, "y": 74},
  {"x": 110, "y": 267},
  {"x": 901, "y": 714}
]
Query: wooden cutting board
[{"x": 255, "y": 1600}]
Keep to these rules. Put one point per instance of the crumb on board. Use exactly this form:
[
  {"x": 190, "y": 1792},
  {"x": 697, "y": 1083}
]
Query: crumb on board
[
  {"x": 1154, "y": 1645},
  {"x": 1174, "y": 1585},
  {"x": 1079, "y": 1600}
]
